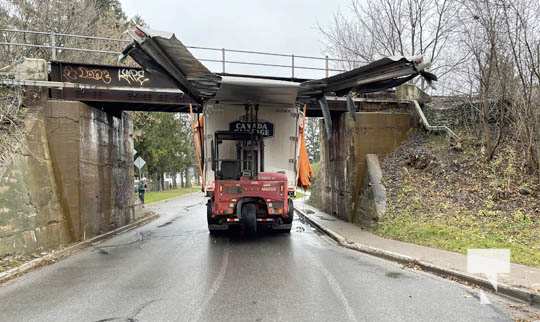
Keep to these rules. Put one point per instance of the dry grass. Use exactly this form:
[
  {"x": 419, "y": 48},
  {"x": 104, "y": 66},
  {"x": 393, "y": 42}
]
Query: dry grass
[{"x": 456, "y": 200}]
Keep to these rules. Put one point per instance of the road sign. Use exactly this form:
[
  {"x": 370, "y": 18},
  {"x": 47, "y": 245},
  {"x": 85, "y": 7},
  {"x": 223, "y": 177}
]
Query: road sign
[
  {"x": 139, "y": 162},
  {"x": 134, "y": 152}
]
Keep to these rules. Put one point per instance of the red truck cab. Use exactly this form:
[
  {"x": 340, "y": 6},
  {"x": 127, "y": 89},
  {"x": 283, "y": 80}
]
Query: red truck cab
[
  {"x": 267, "y": 195},
  {"x": 243, "y": 194}
]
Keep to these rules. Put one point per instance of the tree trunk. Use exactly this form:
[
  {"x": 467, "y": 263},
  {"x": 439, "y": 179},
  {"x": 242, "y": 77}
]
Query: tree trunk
[
  {"x": 182, "y": 183},
  {"x": 155, "y": 183},
  {"x": 174, "y": 180},
  {"x": 197, "y": 178},
  {"x": 188, "y": 178},
  {"x": 538, "y": 141}
]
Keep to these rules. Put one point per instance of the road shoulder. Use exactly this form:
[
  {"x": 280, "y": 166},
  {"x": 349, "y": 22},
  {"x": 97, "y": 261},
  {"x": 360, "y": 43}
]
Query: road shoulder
[
  {"x": 521, "y": 283},
  {"x": 58, "y": 254}
]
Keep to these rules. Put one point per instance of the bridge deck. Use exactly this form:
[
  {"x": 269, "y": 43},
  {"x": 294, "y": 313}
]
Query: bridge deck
[{"x": 121, "y": 88}]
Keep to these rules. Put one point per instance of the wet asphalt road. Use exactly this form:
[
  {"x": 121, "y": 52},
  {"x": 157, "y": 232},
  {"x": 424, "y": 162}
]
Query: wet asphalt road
[{"x": 173, "y": 270}]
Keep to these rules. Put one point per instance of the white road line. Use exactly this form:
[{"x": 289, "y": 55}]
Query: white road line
[
  {"x": 215, "y": 285},
  {"x": 338, "y": 292}
]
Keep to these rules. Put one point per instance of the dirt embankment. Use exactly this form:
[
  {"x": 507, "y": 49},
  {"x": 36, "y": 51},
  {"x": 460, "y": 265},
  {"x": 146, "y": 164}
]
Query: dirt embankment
[{"x": 448, "y": 197}]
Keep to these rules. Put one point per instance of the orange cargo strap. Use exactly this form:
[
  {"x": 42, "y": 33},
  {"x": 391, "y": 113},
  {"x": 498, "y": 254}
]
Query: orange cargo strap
[
  {"x": 305, "y": 172},
  {"x": 197, "y": 126}
]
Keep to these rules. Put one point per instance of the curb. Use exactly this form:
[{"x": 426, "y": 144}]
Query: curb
[
  {"x": 65, "y": 252},
  {"x": 530, "y": 297}
]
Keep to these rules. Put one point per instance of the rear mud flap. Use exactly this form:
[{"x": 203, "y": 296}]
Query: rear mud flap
[
  {"x": 218, "y": 227},
  {"x": 281, "y": 227},
  {"x": 249, "y": 218}
]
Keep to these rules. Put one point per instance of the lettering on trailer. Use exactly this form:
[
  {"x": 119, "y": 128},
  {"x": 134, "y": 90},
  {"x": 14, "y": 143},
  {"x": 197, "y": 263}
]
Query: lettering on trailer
[{"x": 266, "y": 129}]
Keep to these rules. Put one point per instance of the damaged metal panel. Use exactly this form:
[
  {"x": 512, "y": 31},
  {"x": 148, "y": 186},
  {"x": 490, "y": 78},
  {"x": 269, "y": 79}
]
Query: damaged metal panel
[
  {"x": 161, "y": 52},
  {"x": 379, "y": 75},
  {"x": 327, "y": 117}
]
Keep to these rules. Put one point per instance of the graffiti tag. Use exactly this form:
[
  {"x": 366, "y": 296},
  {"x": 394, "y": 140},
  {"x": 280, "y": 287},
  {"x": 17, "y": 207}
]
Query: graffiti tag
[
  {"x": 100, "y": 75},
  {"x": 132, "y": 75}
]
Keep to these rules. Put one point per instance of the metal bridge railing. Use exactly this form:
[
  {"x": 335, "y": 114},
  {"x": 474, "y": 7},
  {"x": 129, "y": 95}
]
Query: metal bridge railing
[{"x": 50, "y": 41}]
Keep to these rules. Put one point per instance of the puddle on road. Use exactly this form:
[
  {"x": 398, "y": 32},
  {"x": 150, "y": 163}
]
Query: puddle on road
[
  {"x": 188, "y": 207},
  {"x": 165, "y": 224},
  {"x": 141, "y": 237},
  {"x": 301, "y": 225},
  {"x": 393, "y": 274},
  {"x": 102, "y": 251},
  {"x": 186, "y": 210}
]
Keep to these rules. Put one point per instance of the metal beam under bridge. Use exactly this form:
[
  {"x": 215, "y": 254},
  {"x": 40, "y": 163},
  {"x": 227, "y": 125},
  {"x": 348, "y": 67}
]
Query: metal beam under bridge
[{"x": 120, "y": 88}]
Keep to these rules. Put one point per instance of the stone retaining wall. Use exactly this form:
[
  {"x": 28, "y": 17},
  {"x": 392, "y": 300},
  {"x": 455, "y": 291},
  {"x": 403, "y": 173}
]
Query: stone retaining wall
[{"x": 73, "y": 180}]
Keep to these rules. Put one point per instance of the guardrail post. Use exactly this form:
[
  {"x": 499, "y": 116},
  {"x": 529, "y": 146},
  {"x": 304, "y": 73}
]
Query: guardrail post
[
  {"x": 326, "y": 66},
  {"x": 223, "y": 60},
  {"x": 52, "y": 36},
  {"x": 292, "y": 65}
]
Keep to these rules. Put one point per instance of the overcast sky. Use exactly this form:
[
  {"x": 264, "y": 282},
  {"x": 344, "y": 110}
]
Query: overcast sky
[{"x": 283, "y": 26}]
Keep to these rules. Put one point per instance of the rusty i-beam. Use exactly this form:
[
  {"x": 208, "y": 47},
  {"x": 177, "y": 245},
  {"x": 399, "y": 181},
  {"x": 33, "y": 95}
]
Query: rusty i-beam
[
  {"x": 121, "y": 88},
  {"x": 117, "y": 88}
]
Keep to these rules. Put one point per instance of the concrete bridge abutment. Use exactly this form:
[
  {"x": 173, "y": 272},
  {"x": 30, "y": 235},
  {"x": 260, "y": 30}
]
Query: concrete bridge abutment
[
  {"x": 343, "y": 177},
  {"x": 92, "y": 160},
  {"x": 71, "y": 180}
]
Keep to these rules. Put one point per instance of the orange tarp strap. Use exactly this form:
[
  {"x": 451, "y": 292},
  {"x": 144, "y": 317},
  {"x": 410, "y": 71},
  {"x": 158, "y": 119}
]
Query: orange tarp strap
[
  {"x": 305, "y": 172},
  {"x": 197, "y": 127}
]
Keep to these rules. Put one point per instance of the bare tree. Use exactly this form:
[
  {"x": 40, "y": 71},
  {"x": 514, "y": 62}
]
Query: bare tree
[
  {"x": 488, "y": 50},
  {"x": 102, "y": 18},
  {"x": 522, "y": 28},
  {"x": 501, "y": 36},
  {"x": 372, "y": 29}
]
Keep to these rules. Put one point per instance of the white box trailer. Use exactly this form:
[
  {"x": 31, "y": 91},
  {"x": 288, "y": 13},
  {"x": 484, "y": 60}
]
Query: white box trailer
[{"x": 279, "y": 125}]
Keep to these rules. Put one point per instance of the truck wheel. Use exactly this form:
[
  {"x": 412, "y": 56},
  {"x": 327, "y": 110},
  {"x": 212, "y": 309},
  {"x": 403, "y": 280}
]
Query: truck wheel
[
  {"x": 289, "y": 219},
  {"x": 209, "y": 219},
  {"x": 290, "y": 212},
  {"x": 249, "y": 218}
]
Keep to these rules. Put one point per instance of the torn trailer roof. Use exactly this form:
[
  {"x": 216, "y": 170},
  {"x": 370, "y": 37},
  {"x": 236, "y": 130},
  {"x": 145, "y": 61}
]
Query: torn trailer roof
[{"x": 162, "y": 52}]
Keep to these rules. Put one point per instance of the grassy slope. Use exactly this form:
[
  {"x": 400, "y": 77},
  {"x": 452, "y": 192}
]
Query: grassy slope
[{"x": 458, "y": 201}]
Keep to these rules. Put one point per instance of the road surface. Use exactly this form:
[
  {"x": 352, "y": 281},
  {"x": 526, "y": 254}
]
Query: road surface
[{"x": 173, "y": 270}]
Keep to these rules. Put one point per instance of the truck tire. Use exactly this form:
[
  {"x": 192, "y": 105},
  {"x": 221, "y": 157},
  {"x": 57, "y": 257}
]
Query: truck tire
[
  {"x": 209, "y": 218},
  {"x": 290, "y": 217},
  {"x": 249, "y": 219},
  {"x": 290, "y": 212}
]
